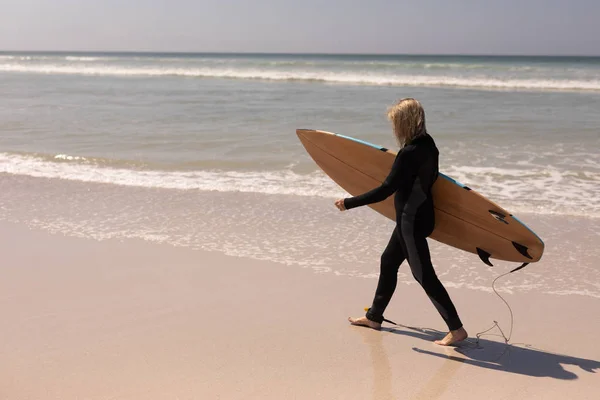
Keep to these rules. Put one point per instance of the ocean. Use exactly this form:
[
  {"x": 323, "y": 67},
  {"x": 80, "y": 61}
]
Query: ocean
[{"x": 200, "y": 150}]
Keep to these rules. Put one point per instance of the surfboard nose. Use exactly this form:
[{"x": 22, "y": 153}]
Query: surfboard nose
[
  {"x": 306, "y": 133},
  {"x": 311, "y": 137}
]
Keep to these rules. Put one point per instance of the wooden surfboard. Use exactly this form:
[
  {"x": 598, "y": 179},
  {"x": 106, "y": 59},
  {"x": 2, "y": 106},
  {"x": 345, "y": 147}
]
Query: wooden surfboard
[{"x": 463, "y": 218}]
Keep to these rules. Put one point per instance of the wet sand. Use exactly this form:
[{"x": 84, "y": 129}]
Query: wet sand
[{"x": 86, "y": 319}]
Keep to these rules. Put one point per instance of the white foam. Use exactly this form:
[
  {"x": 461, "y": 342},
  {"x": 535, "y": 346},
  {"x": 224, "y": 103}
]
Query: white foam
[
  {"x": 268, "y": 182},
  {"x": 536, "y": 189},
  {"x": 67, "y": 157},
  {"x": 346, "y": 77},
  {"x": 533, "y": 190},
  {"x": 73, "y": 58}
]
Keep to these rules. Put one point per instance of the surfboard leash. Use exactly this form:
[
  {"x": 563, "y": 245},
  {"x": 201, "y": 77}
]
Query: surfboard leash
[{"x": 506, "y": 339}]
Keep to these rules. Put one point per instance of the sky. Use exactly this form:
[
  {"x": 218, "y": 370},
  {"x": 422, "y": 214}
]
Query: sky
[{"x": 519, "y": 27}]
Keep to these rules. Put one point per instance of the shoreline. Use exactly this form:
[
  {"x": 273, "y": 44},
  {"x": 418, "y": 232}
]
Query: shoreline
[{"x": 298, "y": 232}]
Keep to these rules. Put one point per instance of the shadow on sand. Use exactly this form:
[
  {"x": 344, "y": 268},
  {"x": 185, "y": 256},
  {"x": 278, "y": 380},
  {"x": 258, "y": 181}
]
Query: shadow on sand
[{"x": 514, "y": 358}]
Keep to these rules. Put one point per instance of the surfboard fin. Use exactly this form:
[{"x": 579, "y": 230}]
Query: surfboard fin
[
  {"x": 522, "y": 249},
  {"x": 485, "y": 256},
  {"x": 498, "y": 216}
]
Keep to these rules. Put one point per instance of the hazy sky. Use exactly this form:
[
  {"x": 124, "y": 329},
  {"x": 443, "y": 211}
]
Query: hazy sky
[{"x": 338, "y": 26}]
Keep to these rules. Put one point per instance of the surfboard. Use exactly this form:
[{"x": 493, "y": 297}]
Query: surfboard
[{"x": 464, "y": 219}]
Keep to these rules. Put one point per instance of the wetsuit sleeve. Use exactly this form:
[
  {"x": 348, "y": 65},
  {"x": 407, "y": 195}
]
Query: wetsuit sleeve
[{"x": 403, "y": 169}]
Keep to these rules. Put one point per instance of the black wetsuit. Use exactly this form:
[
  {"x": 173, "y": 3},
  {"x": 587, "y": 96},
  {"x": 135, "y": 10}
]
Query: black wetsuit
[{"x": 413, "y": 173}]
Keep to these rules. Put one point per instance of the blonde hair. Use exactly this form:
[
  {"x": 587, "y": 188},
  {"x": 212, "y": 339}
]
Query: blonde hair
[{"x": 408, "y": 118}]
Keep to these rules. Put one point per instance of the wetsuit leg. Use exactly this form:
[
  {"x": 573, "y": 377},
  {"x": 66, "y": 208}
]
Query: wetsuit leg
[
  {"x": 391, "y": 259},
  {"x": 419, "y": 259}
]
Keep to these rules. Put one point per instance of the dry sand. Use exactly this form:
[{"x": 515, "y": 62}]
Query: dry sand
[{"x": 133, "y": 320}]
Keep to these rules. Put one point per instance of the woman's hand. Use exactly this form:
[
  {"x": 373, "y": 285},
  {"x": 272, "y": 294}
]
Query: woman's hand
[{"x": 340, "y": 205}]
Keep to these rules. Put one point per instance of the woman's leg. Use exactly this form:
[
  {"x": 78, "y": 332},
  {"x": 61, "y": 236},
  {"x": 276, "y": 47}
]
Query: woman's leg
[
  {"x": 421, "y": 267},
  {"x": 391, "y": 259}
]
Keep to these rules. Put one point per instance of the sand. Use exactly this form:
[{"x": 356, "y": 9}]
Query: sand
[{"x": 86, "y": 319}]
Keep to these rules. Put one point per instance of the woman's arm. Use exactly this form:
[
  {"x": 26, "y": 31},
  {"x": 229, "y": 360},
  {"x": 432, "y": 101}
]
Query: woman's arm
[{"x": 404, "y": 168}]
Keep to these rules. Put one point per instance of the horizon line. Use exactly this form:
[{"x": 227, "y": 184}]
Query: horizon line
[{"x": 300, "y": 53}]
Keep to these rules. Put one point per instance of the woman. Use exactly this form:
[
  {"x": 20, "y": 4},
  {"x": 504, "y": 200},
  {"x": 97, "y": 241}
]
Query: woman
[{"x": 413, "y": 173}]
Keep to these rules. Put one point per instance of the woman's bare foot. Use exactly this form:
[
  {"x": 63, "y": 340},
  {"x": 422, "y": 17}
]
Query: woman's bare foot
[
  {"x": 364, "y": 321},
  {"x": 453, "y": 337}
]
